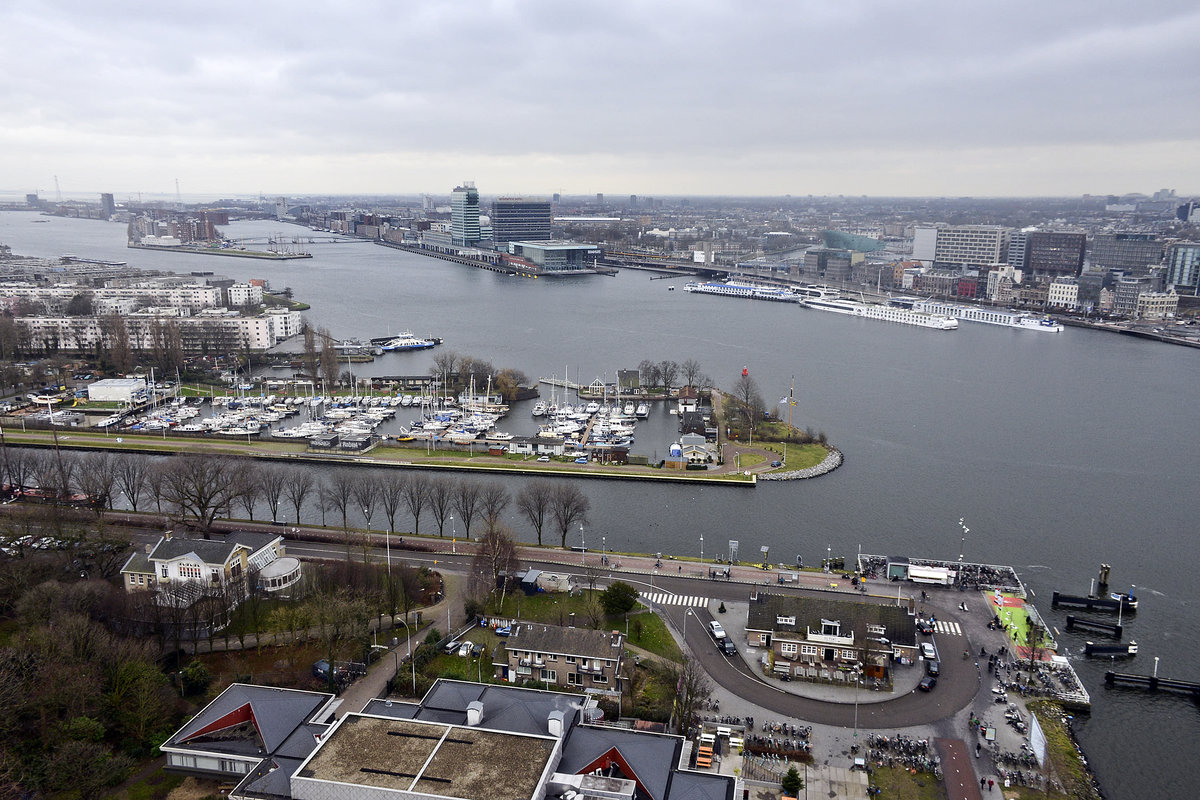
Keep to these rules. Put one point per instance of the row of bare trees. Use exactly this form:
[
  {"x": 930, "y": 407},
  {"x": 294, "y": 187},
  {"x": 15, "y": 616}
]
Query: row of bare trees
[
  {"x": 669, "y": 373},
  {"x": 200, "y": 488}
]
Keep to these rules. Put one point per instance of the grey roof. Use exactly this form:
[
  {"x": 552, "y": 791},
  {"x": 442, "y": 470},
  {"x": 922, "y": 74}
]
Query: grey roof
[
  {"x": 271, "y": 778},
  {"x": 138, "y": 561},
  {"x": 211, "y": 551},
  {"x": 686, "y": 785},
  {"x": 855, "y": 614},
  {"x": 391, "y": 708},
  {"x": 566, "y": 641},
  {"x": 277, "y": 714},
  {"x": 651, "y": 756},
  {"x": 505, "y": 708}
]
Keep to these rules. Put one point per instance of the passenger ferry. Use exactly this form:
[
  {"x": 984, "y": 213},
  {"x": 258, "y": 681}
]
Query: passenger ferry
[
  {"x": 885, "y": 313},
  {"x": 990, "y": 316},
  {"x": 406, "y": 341},
  {"x": 751, "y": 291}
]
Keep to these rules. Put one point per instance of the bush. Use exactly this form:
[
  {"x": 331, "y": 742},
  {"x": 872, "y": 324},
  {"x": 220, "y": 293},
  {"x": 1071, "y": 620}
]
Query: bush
[
  {"x": 792, "y": 783},
  {"x": 195, "y": 678}
]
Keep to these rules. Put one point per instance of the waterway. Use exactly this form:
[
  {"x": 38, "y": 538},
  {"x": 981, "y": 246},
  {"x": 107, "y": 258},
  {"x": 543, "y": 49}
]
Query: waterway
[{"x": 1060, "y": 451}]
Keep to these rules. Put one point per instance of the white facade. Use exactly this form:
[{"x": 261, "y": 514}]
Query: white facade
[
  {"x": 1063, "y": 294},
  {"x": 115, "y": 390},
  {"x": 188, "y": 295},
  {"x": 284, "y": 324},
  {"x": 924, "y": 244},
  {"x": 84, "y": 333},
  {"x": 1157, "y": 305},
  {"x": 975, "y": 245},
  {"x": 241, "y": 294}
]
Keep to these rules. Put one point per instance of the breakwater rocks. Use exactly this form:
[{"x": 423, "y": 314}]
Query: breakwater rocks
[{"x": 832, "y": 461}]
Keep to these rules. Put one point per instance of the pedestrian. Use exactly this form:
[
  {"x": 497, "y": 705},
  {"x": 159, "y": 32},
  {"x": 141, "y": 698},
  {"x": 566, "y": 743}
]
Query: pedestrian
[
  {"x": 982, "y": 782},
  {"x": 991, "y": 783}
]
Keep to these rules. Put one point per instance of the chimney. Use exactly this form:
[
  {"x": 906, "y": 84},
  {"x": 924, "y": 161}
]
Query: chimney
[
  {"x": 149, "y": 548},
  {"x": 474, "y": 713},
  {"x": 167, "y": 535},
  {"x": 554, "y": 723},
  {"x": 571, "y": 620}
]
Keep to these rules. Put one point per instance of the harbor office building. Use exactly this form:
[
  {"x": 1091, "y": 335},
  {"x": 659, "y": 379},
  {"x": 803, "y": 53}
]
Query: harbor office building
[
  {"x": 554, "y": 256},
  {"x": 830, "y": 640}
]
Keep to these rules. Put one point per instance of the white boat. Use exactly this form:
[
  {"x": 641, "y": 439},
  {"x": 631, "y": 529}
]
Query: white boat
[
  {"x": 539, "y": 409},
  {"x": 751, "y": 291},
  {"x": 1006, "y": 318},
  {"x": 628, "y": 410},
  {"x": 406, "y": 341},
  {"x": 884, "y": 313},
  {"x": 642, "y": 411}
]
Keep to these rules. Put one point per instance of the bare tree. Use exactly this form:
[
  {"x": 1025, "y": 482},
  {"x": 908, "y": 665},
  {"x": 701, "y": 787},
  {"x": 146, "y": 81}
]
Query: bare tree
[
  {"x": 568, "y": 505},
  {"x": 690, "y": 372},
  {"x": 156, "y": 482},
  {"x": 669, "y": 371},
  {"x": 20, "y": 465},
  {"x": 650, "y": 373},
  {"x": 366, "y": 497},
  {"x": 329, "y": 362},
  {"x": 297, "y": 486},
  {"x": 494, "y": 498},
  {"x": 692, "y": 688},
  {"x": 445, "y": 364},
  {"x": 392, "y": 486},
  {"x": 495, "y": 556},
  {"x": 416, "y": 495},
  {"x": 271, "y": 482},
  {"x": 534, "y": 500},
  {"x": 131, "y": 477},
  {"x": 201, "y": 486},
  {"x": 467, "y": 503},
  {"x": 312, "y": 358},
  {"x": 745, "y": 391},
  {"x": 97, "y": 478},
  {"x": 440, "y": 496},
  {"x": 337, "y": 493},
  {"x": 249, "y": 490}
]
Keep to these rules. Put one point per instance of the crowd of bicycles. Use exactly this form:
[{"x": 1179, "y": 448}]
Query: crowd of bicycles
[
  {"x": 902, "y": 751},
  {"x": 973, "y": 576}
]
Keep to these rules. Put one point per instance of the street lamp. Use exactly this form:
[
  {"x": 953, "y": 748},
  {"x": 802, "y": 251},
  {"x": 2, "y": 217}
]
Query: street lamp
[
  {"x": 582, "y": 547},
  {"x": 962, "y": 546},
  {"x": 857, "y": 679},
  {"x": 685, "y": 618},
  {"x": 453, "y": 536},
  {"x": 702, "y": 549}
]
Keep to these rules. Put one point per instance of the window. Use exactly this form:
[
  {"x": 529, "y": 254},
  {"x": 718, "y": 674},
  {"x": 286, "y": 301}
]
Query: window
[
  {"x": 551, "y": 657},
  {"x": 573, "y": 679},
  {"x": 215, "y": 575},
  {"x": 849, "y": 654},
  {"x": 570, "y": 659},
  {"x": 190, "y": 571},
  {"x": 785, "y": 620},
  {"x": 831, "y": 627},
  {"x": 549, "y": 675},
  {"x": 876, "y": 630},
  {"x": 808, "y": 649},
  {"x": 599, "y": 679},
  {"x": 165, "y": 574},
  {"x": 788, "y": 649},
  {"x": 132, "y": 579},
  {"x": 142, "y": 579}
]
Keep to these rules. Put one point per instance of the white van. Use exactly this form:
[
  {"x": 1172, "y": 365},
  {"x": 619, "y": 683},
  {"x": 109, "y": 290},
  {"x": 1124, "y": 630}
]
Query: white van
[{"x": 716, "y": 630}]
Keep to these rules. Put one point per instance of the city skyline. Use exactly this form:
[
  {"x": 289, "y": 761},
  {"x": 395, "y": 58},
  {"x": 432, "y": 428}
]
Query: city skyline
[{"x": 669, "y": 99}]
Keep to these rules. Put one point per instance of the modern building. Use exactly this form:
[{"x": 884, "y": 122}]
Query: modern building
[
  {"x": 1049, "y": 254},
  {"x": 580, "y": 658},
  {"x": 1132, "y": 253},
  {"x": 1183, "y": 267},
  {"x": 1127, "y": 290},
  {"x": 464, "y": 215},
  {"x": 212, "y": 330},
  {"x": 554, "y": 256},
  {"x": 827, "y": 639},
  {"x": 950, "y": 246},
  {"x": 519, "y": 219},
  {"x": 825, "y": 264},
  {"x": 467, "y": 741},
  {"x": 108, "y": 206},
  {"x": 116, "y": 390}
]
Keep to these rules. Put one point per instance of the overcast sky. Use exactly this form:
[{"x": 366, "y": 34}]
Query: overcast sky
[{"x": 1054, "y": 97}]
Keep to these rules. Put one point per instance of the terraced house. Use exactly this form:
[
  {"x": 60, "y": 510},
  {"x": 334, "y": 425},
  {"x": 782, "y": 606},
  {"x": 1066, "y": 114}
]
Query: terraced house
[{"x": 550, "y": 654}]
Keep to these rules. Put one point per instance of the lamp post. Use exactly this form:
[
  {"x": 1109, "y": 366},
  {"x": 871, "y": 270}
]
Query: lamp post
[
  {"x": 685, "y": 618},
  {"x": 857, "y": 680},
  {"x": 962, "y": 545},
  {"x": 453, "y": 536},
  {"x": 604, "y": 549},
  {"x": 582, "y": 547},
  {"x": 702, "y": 549}
]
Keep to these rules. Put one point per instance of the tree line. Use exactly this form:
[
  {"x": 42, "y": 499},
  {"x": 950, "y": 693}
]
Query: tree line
[{"x": 199, "y": 488}]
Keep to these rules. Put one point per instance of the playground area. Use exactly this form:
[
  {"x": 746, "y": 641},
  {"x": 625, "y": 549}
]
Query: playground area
[{"x": 1021, "y": 622}]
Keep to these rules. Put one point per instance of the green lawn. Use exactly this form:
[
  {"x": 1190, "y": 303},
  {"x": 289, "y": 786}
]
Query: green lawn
[
  {"x": 903, "y": 785},
  {"x": 653, "y": 635},
  {"x": 1018, "y": 618}
]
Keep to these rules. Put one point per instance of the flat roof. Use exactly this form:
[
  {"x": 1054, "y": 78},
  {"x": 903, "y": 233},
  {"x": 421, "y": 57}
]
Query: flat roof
[{"x": 429, "y": 758}]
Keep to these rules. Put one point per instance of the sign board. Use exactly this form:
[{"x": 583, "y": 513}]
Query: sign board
[{"x": 1037, "y": 739}]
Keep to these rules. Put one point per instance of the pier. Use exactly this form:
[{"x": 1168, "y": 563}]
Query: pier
[
  {"x": 1091, "y": 603},
  {"x": 1093, "y": 649},
  {"x": 1152, "y": 683},
  {"x": 1113, "y": 629}
]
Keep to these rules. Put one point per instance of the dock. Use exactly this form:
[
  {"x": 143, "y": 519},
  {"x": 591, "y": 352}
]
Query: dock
[
  {"x": 1091, "y": 603},
  {"x": 1093, "y": 649},
  {"x": 1113, "y": 629},
  {"x": 1152, "y": 683}
]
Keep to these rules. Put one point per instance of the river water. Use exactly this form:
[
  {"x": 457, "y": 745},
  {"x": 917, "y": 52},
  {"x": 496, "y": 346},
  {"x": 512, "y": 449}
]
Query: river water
[{"x": 1060, "y": 451}]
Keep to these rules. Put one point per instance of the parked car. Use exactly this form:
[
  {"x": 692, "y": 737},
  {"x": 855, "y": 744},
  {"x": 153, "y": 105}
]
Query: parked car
[
  {"x": 925, "y": 627},
  {"x": 928, "y": 651},
  {"x": 927, "y": 683},
  {"x": 727, "y": 646},
  {"x": 933, "y": 668},
  {"x": 716, "y": 630},
  {"x": 505, "y": 631},
  {"x": 452, "y": 648},
  {"x": 465, "y": 650},
  {"x": 581, "y": 460},
  {"x": 543, "y": 458},
  {"x": 776, "y": 463}
]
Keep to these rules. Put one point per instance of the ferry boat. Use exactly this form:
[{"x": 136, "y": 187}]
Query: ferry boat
[
  {"x": 752, "y": 291},
  {"x": 406, "y": 341},
  {"x": 884, "y": 313},
  {"x": 990, "y": 316}
]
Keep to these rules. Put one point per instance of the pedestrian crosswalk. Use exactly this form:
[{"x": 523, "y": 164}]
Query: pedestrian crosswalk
[
  {"x": 668, "y": 599},
  {"x": 948, "y": 628}
]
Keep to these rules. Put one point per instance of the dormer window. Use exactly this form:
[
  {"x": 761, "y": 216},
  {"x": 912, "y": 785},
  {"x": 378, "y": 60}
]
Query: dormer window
[
  {"x": 831, "y": 627},
  {"x": 785, "y": 620}
]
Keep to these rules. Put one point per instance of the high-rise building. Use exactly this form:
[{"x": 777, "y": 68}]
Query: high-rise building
[
  {"x": 464, "y": 214},
  {"x": 1049, "y": 254},
  {"x": 1018, "y": 246},
  {"x": 108, "y": 206},
  {"x": 1183, "y": 267},
  {"x": 1133, "y": 253},
  {"x": 951, "y": 246},
  {"x": 517, "y": 219}
]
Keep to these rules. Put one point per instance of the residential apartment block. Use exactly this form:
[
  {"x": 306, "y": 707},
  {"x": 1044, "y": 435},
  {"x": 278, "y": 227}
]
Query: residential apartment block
[{"x": 575, "y": 657}]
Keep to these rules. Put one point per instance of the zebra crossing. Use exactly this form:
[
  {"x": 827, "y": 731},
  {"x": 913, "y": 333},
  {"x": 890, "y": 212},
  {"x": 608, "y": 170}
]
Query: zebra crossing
[
  {"x": 948, "y": 628},
  {"x": 667, "y": 599}
]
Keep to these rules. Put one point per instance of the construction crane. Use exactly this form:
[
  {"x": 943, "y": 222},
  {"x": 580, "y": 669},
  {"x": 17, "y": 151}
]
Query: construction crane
[{"x": 57, "y": 191}]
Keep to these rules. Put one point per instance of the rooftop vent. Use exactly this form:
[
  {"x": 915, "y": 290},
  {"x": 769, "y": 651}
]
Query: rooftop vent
[
  {"x": 554, "y": 723},
  {"x": 474, "y": 712}
]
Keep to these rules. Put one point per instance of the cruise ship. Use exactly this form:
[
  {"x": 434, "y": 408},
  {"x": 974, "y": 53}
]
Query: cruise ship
[
  {"x": 885, "y": 313},
  {"x": 990, "y": 316},
  {"x": 752, "y": 291}
]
